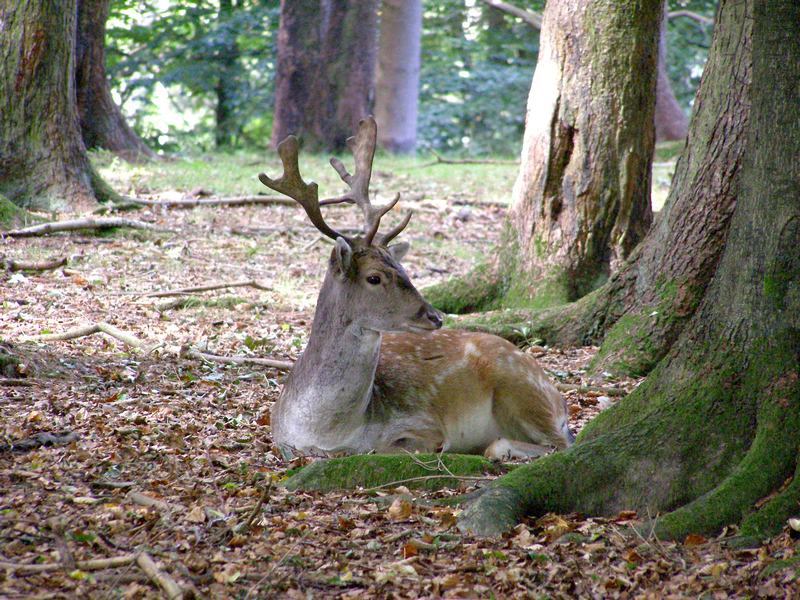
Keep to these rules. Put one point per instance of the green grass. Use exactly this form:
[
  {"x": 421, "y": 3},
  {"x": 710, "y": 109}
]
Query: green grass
[{"x": 235, "y": 174}]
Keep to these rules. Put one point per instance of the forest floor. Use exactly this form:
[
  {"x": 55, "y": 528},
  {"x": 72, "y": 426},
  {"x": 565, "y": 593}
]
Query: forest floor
[{"x": 173, "y": 456}]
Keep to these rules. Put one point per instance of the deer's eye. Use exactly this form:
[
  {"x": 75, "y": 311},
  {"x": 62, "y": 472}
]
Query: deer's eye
[{"x": 374, "y": 279}]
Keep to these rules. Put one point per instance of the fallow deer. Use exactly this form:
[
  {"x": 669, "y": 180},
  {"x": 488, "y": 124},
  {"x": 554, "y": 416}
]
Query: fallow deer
[{"x": 378, "y": 373}]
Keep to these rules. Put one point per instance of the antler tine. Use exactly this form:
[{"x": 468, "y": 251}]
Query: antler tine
[
  {"x": 363, "y": 145},
  {"x": 291, "y": 184},
  {"x": 395, "y": 231}
]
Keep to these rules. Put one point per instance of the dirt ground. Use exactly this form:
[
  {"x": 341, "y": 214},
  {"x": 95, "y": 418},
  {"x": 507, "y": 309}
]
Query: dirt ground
[{"x": 173, "y": 455}]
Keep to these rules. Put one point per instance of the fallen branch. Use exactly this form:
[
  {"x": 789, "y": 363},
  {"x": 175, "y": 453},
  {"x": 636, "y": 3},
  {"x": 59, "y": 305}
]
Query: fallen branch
[
  {"x": 208, "y": 287},
  {"x": 33, "y": 265},
  {"x": 97, "y": 564},
  {"x": 229, "y": 201},
  {"x": 171, "y": 589},
  {"x": 238, "y": 360},
  {"x": 79, "y": 224},
  {"x": 15, "y": 381},
  {"x": 85, "y": 330},
  {"x": 44, "y": 438},
  {"x": 441, "y": 160},
  {"x": 583, "y": 389}
]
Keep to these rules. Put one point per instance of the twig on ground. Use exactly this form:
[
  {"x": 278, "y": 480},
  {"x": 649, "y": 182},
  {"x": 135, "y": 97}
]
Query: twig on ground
[
  {"x": 209, "y": 287},
  {"x": 422, "y": 478},
  {"x": 229, "y": 201},
  {"x": 43, "y": 438},
  {"x": 80, "y": 224},
  {"x": 582, "y": 389},
  {"x": 84, "y": 565},
  {"x": 245, "y": 526},
  {"x": 33, "y": 265},
  {"x": 441, "y": 160},
  {"x": 238, "y": 360},
  {"x": 85, "y": 330},
  {"x": 15, "y": 381},
  {"x": 113, "y": 485},
  {"x": 168, "y": 585},
  {"x": 147, "y": 501}
]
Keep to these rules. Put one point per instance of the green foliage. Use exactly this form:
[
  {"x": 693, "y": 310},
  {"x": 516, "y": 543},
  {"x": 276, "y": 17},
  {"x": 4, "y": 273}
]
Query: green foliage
[
  {"x": 167, "y": 59},
  {"x": 174, "y": 64}
]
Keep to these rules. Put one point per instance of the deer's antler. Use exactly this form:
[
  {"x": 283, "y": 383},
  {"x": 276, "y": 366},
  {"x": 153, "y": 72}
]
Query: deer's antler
[
  {"x": 291, "y": 184},
  {"x": 362, "y": 145}
]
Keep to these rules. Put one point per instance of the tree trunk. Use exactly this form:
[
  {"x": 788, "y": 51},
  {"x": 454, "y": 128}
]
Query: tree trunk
[
  {"x": 712, "y": 437},
  {"x": 227, "y": 78},
  {"x": 344, "y": 83},
  {"x": 643, "y": 308},
  {"x": 397, "y": 89},
  {"x": 671, "y": 121},
  {"x": 298, "y": 54},
  {"x": 101, "y": 121},
  {"x": 43, "y": 162},
  {"x": 582, "y": 199}
]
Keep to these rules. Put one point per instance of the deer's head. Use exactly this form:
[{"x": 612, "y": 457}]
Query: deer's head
[{"x": 364, "y": 273}]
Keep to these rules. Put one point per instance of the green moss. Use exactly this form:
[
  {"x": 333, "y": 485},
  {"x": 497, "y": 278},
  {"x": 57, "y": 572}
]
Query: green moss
[
  {"x": 11, "y": 215},
  {"x": 479, "y": 290},
  {"x": 373, "y": 470},
  {"x": 628, "y": 347}
]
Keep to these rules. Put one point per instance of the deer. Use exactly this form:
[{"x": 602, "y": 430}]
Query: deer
[{"x": 378, "y": 373}]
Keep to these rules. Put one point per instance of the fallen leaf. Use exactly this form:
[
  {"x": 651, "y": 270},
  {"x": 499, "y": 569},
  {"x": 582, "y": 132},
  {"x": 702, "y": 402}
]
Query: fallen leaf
[
  {"x": 400, "y": 509},
  {"x": 694, "y": 539}
]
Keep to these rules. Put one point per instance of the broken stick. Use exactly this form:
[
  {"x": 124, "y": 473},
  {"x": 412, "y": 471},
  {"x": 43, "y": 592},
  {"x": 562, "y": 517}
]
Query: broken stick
[
  {"x": 78, "y": 224},
  {"x": 239, "y": 360},
  {"x": 85, "y": 330},
  {"x": 33, "y": 265},
  {"x": 170, "y": 587},
  {"x": 208, "y": 287}
]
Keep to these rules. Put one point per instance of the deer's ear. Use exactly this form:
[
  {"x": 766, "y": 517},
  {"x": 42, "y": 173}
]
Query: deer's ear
[
  {"x": 399, "y": 250},
  {"x": 343, "y": 255}
]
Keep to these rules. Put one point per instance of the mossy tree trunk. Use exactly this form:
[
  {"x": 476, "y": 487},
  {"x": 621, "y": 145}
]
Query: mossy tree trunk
[
  {"x": 43, "y": 161},
  {"x": 642, "y": 309},
  {"x": 101, "y": 121},
  {"x": 581, "y": 201},
  {"x": 712, "y": 437}
]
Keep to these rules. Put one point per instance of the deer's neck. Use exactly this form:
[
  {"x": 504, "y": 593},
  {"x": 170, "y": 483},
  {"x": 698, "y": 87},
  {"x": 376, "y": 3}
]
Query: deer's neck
[{"x": 331, "y": 384}]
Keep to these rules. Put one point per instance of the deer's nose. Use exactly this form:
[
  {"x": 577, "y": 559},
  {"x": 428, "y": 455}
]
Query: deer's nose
[{"x": 435, "y": 317}]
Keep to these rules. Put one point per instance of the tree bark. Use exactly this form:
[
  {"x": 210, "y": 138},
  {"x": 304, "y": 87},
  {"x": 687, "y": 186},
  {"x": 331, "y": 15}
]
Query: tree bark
[
  {"x": 43, "y": 161},
  {"x": 227, "y": 78},
  {"x": 101, "y": 121},
  {"x": 298, "y": 55},
  {"x": 671, "y": 121},
  {"x": 712, "y": 437},
  {"x": 397, "y": 89},
  {"x": 643, "y": 308},
  {"x": 582, "y": 199},
  {"x": 344, "y": 84}
]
